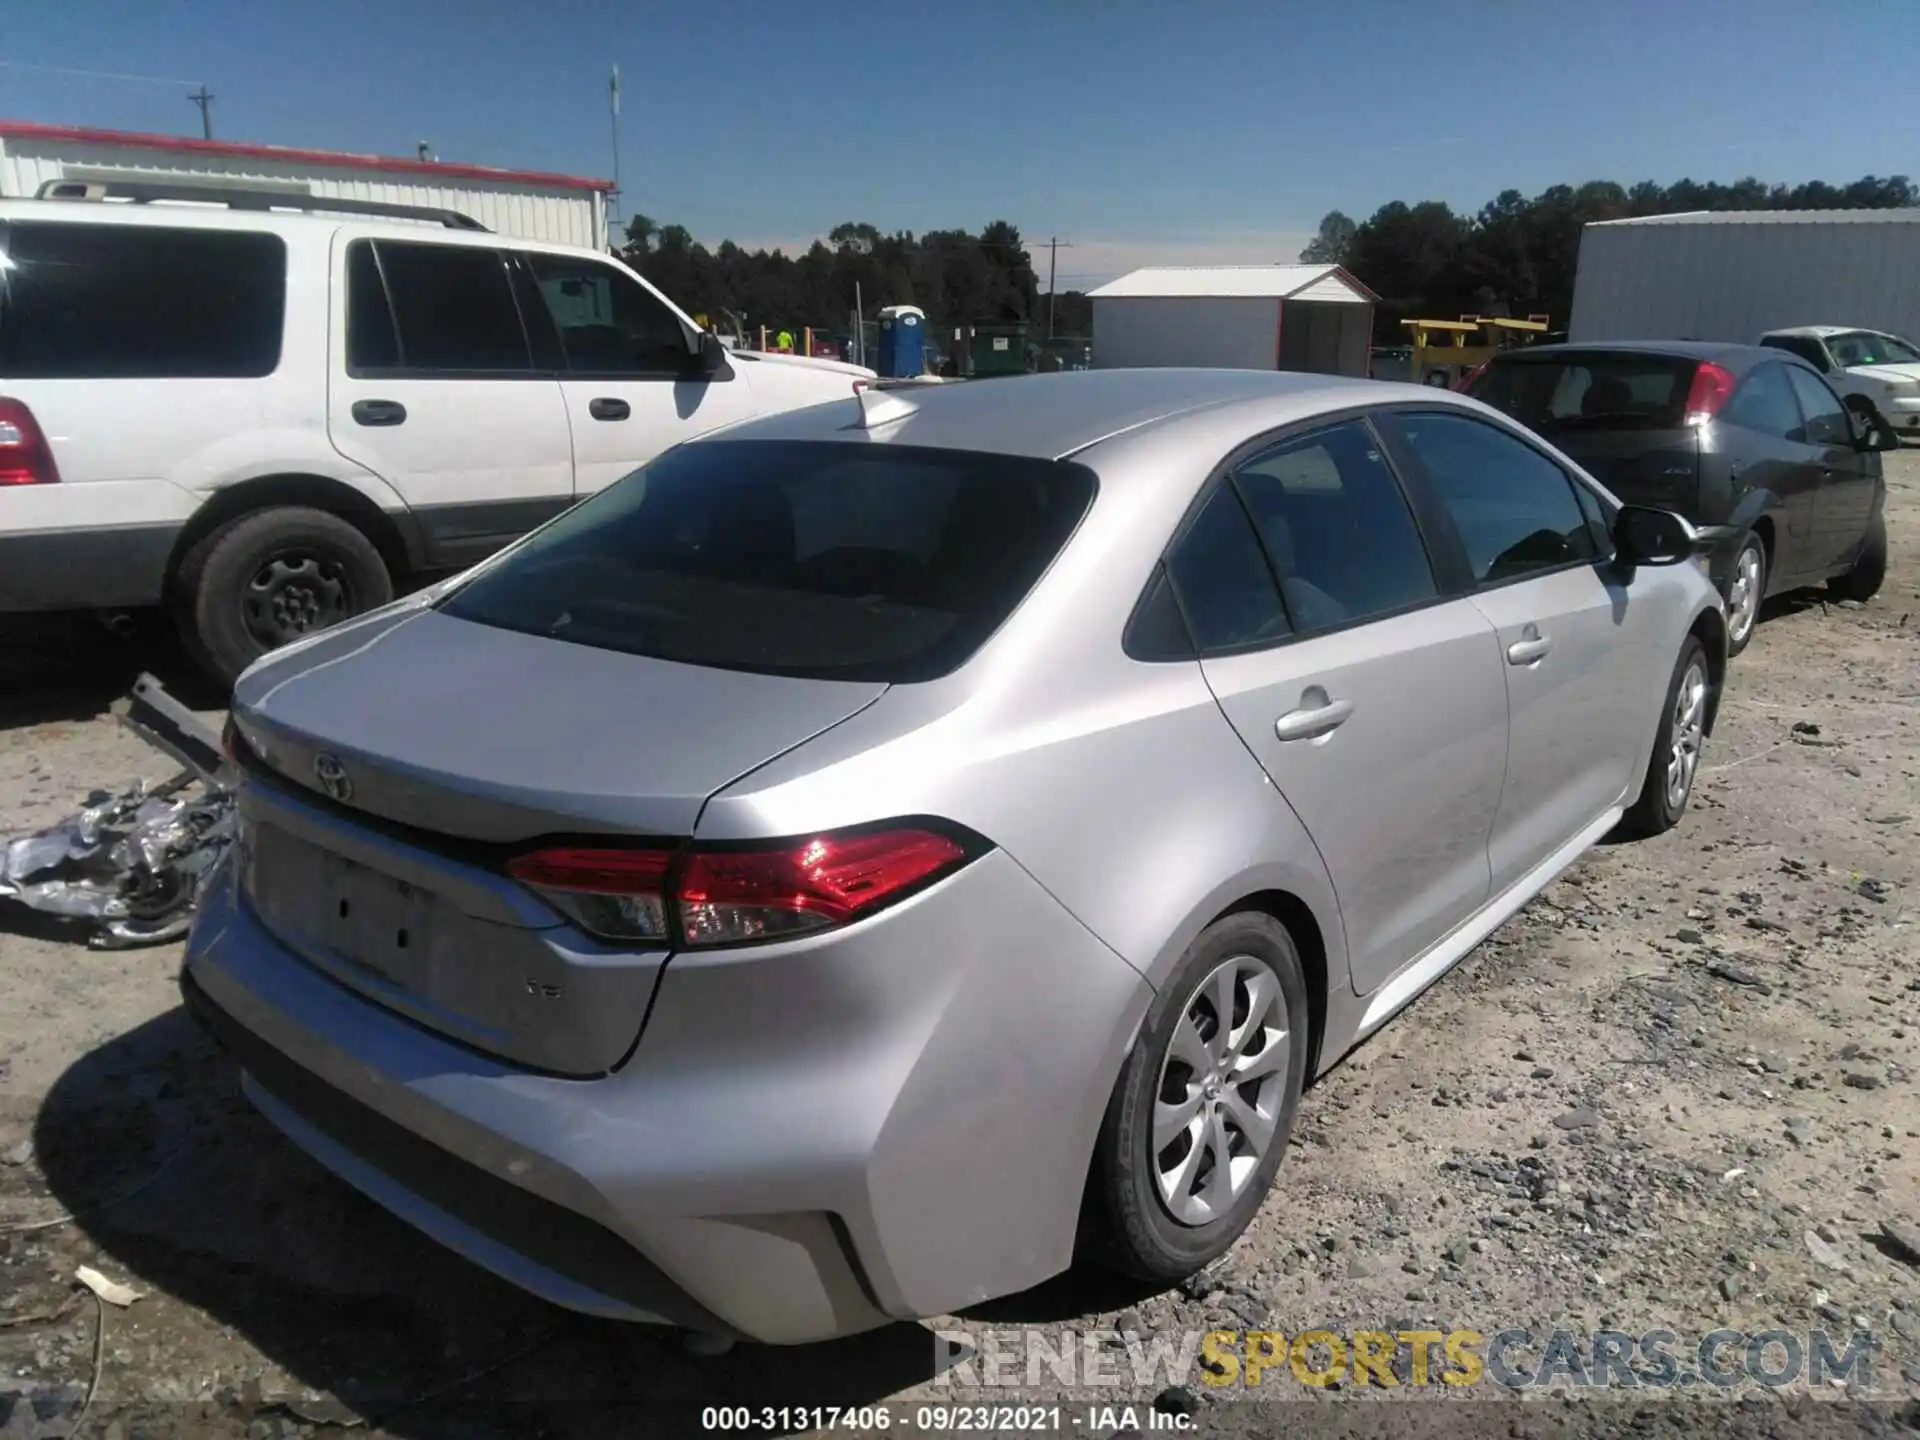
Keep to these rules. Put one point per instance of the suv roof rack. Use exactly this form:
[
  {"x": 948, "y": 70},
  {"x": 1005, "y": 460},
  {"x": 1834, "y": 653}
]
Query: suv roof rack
[{"x": 239, "y": 197}]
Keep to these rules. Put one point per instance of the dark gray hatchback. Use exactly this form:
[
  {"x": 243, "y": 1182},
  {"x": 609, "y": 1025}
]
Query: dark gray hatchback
[{"x": 1746, "y": 441}]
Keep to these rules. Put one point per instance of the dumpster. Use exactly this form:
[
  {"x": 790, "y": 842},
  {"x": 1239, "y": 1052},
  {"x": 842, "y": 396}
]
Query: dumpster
[
  {"x": 903, "y": 341},
  {"x": 999, "y": 350}
]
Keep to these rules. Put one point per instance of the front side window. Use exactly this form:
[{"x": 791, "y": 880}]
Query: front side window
[
  {"x": 1336, "y": 528},
  {"x": 125, "y": 302},
  {"x": 822, "y": 561},
  {"x": 1764, "y": 404},
  {"x": 609, "y": 323},
  {"x": 452, "y": 305},
  {"x": 1827, "y": 422},
  {"x": 1514, "y": 509}
]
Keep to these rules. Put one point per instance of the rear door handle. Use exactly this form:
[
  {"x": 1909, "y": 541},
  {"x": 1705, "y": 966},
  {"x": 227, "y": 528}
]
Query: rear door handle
[
  {"x": 1318, "y": 715},
  {"x": 608, "y": 409},
  {"x": 1530, "y": 649},
  {"x": 379, "y": 412}
]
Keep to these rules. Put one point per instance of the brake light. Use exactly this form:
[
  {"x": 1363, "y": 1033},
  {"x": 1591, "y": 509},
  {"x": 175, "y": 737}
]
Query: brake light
[
  {"x": 1465, "y": 387},
  {"x": 25, "y": 457},
  {"x": 735, "y": 896},
  {"x": 1710, "y": 390}
]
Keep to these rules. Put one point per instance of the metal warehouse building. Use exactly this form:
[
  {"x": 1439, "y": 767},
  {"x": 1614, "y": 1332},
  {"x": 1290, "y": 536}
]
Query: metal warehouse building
[
  {"x": 1731, "y": 275},
  {"x": 525, "y": 204},
  {"x": 1243, "y": 317}
]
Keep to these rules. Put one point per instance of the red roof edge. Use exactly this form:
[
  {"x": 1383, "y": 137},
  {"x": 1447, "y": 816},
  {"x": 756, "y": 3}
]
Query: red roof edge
[{"x": 87, "y": 135}]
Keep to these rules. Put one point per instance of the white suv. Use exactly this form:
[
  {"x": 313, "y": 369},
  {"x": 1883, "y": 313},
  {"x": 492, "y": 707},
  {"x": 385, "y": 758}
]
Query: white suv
[{"x": 264, "y": 420}]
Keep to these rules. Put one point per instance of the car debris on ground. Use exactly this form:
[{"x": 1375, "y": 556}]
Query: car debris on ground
[{"x": 133, "y": 863}]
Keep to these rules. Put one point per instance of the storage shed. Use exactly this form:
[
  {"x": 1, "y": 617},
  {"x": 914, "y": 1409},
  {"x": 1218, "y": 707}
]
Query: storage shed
[
  {"x": 526, "y": 204},
  {"x": 1731, "y": 275},
  {"x": 1241, "y": 317}
]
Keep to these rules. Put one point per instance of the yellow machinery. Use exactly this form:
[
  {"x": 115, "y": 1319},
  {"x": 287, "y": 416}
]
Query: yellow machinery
[{"x": 1443, "y": 354}]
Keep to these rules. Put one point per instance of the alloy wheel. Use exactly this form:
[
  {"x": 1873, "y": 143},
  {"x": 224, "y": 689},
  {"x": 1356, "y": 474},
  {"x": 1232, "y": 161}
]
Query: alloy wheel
[
  {"x": 1689, "y": 731},
  {"x": 1743, "y": 594},
  {"x": 1221, "y": 1088}
]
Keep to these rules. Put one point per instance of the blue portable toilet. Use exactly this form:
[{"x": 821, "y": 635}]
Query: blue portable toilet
[{"x": 903, "y": 341}]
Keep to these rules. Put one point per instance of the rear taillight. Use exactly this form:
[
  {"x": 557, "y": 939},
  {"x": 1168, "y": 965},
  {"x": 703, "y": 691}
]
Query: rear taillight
[
  {"x": 1465, "y": 387},
  {"x": 740, "y": 894},
  {"x": 25, "y": 458},
  {"x": 1710, "y": 390}
]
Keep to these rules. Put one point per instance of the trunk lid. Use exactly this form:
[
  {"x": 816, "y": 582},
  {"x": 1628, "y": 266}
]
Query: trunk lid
[
  {"x": 1642, "y": 467},
  {"x": 482, "y": 734},
  {"x": 410, "y": 754}
]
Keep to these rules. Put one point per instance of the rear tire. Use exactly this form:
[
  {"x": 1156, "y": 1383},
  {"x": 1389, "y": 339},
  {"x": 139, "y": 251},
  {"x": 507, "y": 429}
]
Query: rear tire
[
  {"x": 268, "y": 577},
  {"x": 1869, "y": 570},
  {"x": 1165, "y": 1212},
  {"x": 1746, "y": 590},
  {"x": 1675, "y": 762}
]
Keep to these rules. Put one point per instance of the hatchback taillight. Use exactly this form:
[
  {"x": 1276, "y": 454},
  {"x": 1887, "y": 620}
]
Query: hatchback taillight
[
  {"x": 25, "y": 457},
  {"x": 1712, "y": 387},
  {"x": 738, "y": 894}
]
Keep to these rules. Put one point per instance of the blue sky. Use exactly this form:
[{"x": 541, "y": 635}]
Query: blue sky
[{"x": 1203, "y": 131}]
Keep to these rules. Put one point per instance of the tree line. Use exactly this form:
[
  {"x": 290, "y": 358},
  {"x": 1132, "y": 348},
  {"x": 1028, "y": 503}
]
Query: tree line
[
  {"x": 958, "y": 277},
  {"x": 1517, "y": 256}
]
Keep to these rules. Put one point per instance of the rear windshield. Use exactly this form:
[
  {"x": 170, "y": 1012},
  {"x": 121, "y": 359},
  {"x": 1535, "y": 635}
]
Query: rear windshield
[
  {"x": 1597, "y": 392},
  {"x": 148, "y": 302},
  {"x": 825, "y": 561}
]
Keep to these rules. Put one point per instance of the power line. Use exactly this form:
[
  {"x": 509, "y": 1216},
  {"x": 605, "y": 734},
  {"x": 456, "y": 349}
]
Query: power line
[{"x": 96, "y": 74}]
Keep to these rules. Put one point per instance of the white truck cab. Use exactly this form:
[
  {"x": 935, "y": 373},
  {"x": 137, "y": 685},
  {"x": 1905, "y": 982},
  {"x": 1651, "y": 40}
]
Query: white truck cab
[{"x": 265, "y": 418}]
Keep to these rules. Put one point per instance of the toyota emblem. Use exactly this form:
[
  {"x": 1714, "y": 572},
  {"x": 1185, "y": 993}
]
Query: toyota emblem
[{"x": 332, "y": 776}]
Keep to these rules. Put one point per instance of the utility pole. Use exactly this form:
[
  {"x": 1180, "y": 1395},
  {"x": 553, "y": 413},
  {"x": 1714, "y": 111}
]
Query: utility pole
[
  {"x": 1054, "y": 242},
  {"x": 203, "y": 97},
  {"x": 613, "y": 116}
]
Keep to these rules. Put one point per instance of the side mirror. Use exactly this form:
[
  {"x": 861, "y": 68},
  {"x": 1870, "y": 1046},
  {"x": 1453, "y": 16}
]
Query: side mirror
[
  {"x": 1643, "y": 535},
  {"x": 709, "y": 356},
  {"x": 1873, "y": 431}
]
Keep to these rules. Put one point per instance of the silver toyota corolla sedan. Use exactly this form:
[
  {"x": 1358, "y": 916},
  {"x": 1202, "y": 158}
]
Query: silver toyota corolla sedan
[{"x": 870, "y": 855}]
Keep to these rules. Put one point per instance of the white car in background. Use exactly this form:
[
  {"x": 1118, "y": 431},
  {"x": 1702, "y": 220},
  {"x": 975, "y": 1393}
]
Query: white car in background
[{"x": 1884, "y": 368}]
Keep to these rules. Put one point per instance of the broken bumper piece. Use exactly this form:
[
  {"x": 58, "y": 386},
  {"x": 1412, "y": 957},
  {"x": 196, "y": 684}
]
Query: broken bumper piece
[{"x": 135, "y": 863}]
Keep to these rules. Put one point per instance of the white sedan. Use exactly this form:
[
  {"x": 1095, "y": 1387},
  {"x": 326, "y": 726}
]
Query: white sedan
[{"x": 1882, "y": 367}]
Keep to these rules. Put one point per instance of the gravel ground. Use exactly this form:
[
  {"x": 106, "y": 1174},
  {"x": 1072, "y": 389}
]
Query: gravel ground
[{"x": 1674, "y": 1093}]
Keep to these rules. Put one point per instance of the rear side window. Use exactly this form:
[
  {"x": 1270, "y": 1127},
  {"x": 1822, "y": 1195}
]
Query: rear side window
[
  {"x": 1827, "y": 422},
  {"x": 1336, "y": 528},
  {"x": 452, "y": 305},
  {"x": 1514, "y": 509},
  {"x": 1764, "y": 403},
  {"x": 1600, "y": 391},
  {"x": 125, "y": 302},
  {"x": 822, "y": 561},
  {"x": 1222, "y": 580}
]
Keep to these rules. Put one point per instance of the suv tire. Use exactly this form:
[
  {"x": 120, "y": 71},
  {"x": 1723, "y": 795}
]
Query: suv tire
[{"x": 268, "y": 577}]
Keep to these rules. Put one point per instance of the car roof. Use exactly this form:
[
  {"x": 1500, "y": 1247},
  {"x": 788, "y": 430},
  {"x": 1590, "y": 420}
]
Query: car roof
[
  {"x": 1054, "y": 416},
  {"x": 1821, "y": 332},
  {"x": 1731, "y": 357}
]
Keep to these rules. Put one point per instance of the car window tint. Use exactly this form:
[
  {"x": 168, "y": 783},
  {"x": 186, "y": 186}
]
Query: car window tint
[
  {"x": 1599, "y": 391},
  {"x": 1225, "y": 588},
  {"x": 1336, "y": 528},
  {"x": 1827, "y": 422},
  {"x": 372, "y": 342},
  {"x": 1514, "y": 508},
  {"x": 1763, "y": 403},
  {"x": 823, "y": 561},
  {"x": 609, "y": 323},
  {"x": 1805, "y": 346},
  {"x": 454, "y": 307},
  {"x": 98, "y": 302}
]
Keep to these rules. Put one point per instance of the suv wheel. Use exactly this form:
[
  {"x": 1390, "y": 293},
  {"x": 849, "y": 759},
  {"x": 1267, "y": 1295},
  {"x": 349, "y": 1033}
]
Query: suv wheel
[
  {"x": 269, "y": 577},
  {"x": 1869, "y": 571},
  {"x": 1675, "y": 762},
  {"x": 1200, "y": 1115}
]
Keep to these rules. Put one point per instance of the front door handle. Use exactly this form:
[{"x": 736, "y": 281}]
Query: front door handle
[
  {"x": 608, "y": 409},
  {"x": 379, "y": 412},
  {"x": 1318, "y": 715},
  {"x": 1530, "y": 649}
]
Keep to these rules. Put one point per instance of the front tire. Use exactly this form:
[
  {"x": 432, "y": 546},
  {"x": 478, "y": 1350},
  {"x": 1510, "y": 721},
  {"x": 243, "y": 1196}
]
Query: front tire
[
  {"x": 267, "y": 578},
  {"x": 1869, "y": 570},
  {"x": 1675, "y": 762},
  {"x": 1746, "y": 588},
  {"x": 1201, "y": 1114}
]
